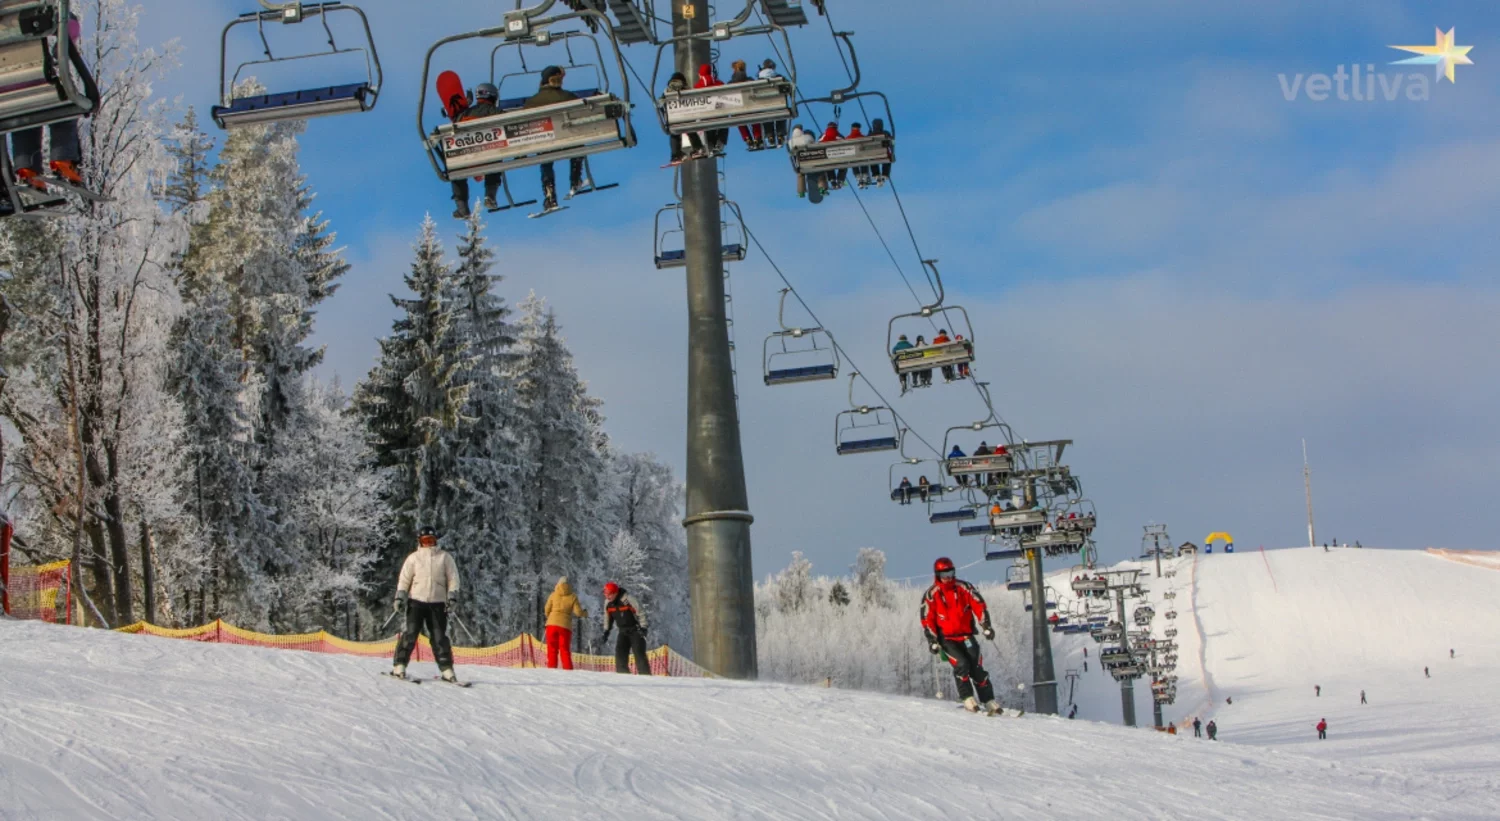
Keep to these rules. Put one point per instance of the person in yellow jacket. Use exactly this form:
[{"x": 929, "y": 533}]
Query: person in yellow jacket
[
  {"x": 561, "y": 608},
  {"x": 428, "y": 586}
]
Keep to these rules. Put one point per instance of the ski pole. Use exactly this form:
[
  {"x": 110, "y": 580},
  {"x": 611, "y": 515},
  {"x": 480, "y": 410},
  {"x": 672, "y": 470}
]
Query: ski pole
[
  {"x": 383, "y": 625},
  {"x": 460, "y": 623}
]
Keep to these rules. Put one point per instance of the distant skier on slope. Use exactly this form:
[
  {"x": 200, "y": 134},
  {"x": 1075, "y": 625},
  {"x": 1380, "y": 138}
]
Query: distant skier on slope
[
  {"x": 1322, "y": 728},
  {"x": 1197, "y": 727},
  {"x": 1426, "y": 672},
  {"x": 621, "y": 609},
  {"x": 1317, "y": 689},
  {"x": 1362, "y": 697},
  {"x": 427, "y": 587},
  {"x": 950, "y": 609},
  {"x": 1213, "y": 731}
]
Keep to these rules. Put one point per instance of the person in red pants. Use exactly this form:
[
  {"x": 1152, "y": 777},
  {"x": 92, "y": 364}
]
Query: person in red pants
[{"x": 561, "y": 608}]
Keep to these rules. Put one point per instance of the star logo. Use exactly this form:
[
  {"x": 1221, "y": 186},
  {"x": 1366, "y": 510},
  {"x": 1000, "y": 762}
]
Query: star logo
[{"x": 1442, "y": 54}]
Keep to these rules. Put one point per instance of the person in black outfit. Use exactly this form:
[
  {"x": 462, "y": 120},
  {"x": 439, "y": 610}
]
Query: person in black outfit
[
  {"x": 1197, "y": 727},
  {"x": 621, "y": 609},
  {"x": 486, "y": 104}
]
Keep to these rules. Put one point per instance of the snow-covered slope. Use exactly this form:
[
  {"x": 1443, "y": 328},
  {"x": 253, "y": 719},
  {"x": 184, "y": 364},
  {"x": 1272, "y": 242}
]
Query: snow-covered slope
[{"x": 105, "y": 726}]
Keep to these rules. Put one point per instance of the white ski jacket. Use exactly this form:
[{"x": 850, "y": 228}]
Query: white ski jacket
[{"x": 429, "y": 575}]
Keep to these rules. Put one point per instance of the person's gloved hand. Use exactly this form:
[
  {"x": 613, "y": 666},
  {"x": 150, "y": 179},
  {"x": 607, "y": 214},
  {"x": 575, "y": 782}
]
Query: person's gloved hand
[
  {"x": 399, "y": 605},
  {"x": 989, "y": 633},
  {"x": 935, "y": 648}
]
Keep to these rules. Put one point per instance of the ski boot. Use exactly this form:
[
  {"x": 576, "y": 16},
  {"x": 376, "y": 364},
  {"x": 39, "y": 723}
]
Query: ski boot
[
  {"x": 449, "y": 675},
  {"x": 993, "y": 708},
  {"x": 68, "y": 171},
  {"x": 971, "y": 704},
  {"x": 549, "y": 198},
  {"x": 399, "y": 671},
  {"x": 31, "y": 178},
  {"x": 491, "y": 204},
  {"x": 460, "y": 210}
]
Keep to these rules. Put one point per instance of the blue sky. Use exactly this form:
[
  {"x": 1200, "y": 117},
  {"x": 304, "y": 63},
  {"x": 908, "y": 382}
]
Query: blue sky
[{"x": 1164, "y": 259}]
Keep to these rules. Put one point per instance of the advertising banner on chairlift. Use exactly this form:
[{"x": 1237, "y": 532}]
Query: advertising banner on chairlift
[
  {"x": 696, "y": 107},
  {"x": 498, "y": 138}
]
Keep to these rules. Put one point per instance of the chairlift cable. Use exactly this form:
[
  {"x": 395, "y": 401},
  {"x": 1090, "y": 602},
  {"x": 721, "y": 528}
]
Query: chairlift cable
[{"x": 840, "y": 348}]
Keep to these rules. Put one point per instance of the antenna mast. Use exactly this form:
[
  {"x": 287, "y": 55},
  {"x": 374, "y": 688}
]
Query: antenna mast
[{"x": 1307, "y": 483}]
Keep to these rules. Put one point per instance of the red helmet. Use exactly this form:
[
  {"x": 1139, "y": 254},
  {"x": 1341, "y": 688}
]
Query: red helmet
[
  {"x": 611, "y": 590},
  {"x": 943, "y": 569}
]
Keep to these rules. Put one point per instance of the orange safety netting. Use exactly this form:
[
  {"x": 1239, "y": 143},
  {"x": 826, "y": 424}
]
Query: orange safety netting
[
  {"x": 40, "y": 592},
  {"x": 521, "y": 651}
]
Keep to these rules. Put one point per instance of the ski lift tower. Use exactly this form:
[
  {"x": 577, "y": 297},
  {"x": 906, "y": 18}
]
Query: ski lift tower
[
  {"x": 718, "y": 517},
  {"x": 1154, "y": 543}
]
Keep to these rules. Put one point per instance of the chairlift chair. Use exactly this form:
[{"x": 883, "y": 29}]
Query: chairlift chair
[
  {"x": 952, "y": 356},
  {"x": 791, "y": 364},
  {"x": 299, "y": 104},
  {"x": 1170, "y": 632},
  {"x": 746, "y": 103},
  {"x": 864, "y": 428},
  {"x": 597, "y": 122},
  {"x": 993, "y": 551},
  {"x": 1018, "y": 577},
  {"x": 861, "y": 152},
  {"x": 40, "y": 82},
  {"x": 734, "y": 243},
  {"x": 933, "y": 491}
]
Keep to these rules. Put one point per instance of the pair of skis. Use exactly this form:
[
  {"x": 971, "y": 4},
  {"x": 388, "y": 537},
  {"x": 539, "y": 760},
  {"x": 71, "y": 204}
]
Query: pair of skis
[{"x": 414, "y": 680}]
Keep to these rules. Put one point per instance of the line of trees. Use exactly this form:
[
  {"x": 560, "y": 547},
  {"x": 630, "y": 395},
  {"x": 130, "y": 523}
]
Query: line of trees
[
  {"x": 168, "y": 435},
  {"x": 862, "y": 632}
]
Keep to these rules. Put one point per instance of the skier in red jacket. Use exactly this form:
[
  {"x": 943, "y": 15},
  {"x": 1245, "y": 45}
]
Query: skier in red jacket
[
  {"x": 950, "y": 609},
  {"x": 1322, "y": 728},
  {"x": 708, "y": 78}
]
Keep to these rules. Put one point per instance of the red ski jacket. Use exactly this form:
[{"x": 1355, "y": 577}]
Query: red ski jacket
[{"x": 949, "y": 611}]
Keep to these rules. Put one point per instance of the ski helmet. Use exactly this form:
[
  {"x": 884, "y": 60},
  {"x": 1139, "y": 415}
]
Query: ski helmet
[
  {"x": 427, "y": 532},
  {"x": 943, "y": 568},
  {"x": 611, "y": 590},
  {"x": 486, "y": 91}
]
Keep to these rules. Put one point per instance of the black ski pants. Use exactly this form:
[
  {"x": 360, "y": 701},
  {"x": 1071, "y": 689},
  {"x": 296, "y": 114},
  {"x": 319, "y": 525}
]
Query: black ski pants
[
  {"x": 968, "y": 668},
  {"x": 627, "y": 643},
  {"x": 575, "y": 175},
  {"x": 434, "y": 616},
  {"x": 461, "y": 187}
]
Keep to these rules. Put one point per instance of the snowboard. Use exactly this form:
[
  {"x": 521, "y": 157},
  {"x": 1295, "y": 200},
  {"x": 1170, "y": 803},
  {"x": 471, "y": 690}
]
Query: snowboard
[
  {"x": 548, "y": 211},
  {"x": 450, "y": 91}
]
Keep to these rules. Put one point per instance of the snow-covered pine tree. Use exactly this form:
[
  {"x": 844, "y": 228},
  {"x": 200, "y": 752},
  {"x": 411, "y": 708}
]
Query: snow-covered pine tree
[
  {"x": 567, "y": 485},
  {"x": 870, "y": 585},
  {"x": 487, "y": 518},
  {"x": 187, "y": 185},
  {"x": 411, "y": 403}
]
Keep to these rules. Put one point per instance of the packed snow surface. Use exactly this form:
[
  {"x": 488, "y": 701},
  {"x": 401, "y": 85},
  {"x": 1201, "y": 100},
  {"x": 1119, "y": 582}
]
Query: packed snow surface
[{"x": 100, "y": 725}]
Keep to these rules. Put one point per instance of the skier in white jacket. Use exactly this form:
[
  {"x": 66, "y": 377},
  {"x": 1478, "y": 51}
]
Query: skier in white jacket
[{"x": 428, "y": 586}]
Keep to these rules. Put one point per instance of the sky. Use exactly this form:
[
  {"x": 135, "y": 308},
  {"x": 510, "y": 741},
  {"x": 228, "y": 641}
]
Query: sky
[{"x": 1163, "y": 259}]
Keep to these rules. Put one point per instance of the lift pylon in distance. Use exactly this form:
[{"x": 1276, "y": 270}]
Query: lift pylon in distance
[
  {"x": 797, "y": 354},
  {"x": 597, "y": 121},
  {"x": 307, "y": 99}
]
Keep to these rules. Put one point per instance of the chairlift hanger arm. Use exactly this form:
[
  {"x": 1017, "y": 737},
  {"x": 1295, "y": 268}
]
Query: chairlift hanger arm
[
  {"x": 373, "y": 69},
  {"x": 564, "y": 38}
]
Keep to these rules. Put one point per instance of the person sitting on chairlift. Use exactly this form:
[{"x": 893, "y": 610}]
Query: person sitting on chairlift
[
  {"x": 486, "y": 103},
  {"x": 902, "y": 344},
  {"x": 801, "y": 139},
  {"x": 882, "y": 171},
  {"x": 831, "y": 134},
  {"x": 755, "y": 140},
  {"x": 923, "y": 378},
  {"x": 708, "y": 78},
  {"x": 924, "y": 486},
  {"x": 775, "y": 132},
  {"x": 678, "y": 82},
  {"x": 862, "y": 175},
  {"x": 942, "y": 338},
  {"x": 963, "y": 367},
  {"x": 551, "y": 92},
  {"x": 905, "y": 488},
  {"x": 958, "y": 453}
]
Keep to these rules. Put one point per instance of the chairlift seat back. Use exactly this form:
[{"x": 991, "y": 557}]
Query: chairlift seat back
[
  {"x": 947, "y": 354},
  {"x": 990, "y": 463},
  {"x": 880, "y": 443},
  {"x": 728, "y": 105},
  {"x": 1016, "y": 519},
  {"x": 832, "y": 156},
  {"x": 994, "y": 555},
  {"x": 532, "y": 136},
  {"x": 31, "y": 91},
  {"x": 733, "y": 252},
  {"x": 806, "y": 373},
  {"x": 324, "y": 101},
  {"x": 1057, "y": 538},
  {"x": 962, "y": 514}
]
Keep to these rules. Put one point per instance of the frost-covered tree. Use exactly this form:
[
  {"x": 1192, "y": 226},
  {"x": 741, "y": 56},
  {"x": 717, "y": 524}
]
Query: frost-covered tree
[
  {"x": 625, "y": 563},
  {"x": 870, "y": 585},
  {"x": 102, "y": 303},
  {"x": 838, "y": 594},
  {"x": 794, "y": 585},
  {"x": 187, "y": 184},
  {"x": 566, "y": 487},
  {"x": 648, "y": 505}
]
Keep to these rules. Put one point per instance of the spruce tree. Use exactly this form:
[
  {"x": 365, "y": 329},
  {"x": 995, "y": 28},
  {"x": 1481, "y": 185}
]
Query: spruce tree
[{"x": 188, "y": 146}]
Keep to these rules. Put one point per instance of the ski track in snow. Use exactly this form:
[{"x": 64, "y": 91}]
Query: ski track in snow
[{"x": 96, "y": 725}]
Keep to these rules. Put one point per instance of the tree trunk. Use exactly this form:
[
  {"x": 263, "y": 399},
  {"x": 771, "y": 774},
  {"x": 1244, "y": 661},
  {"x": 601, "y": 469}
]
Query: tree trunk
[
  {"x": 148, "y": 576},
  {"x": 99, "y": 567}
]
